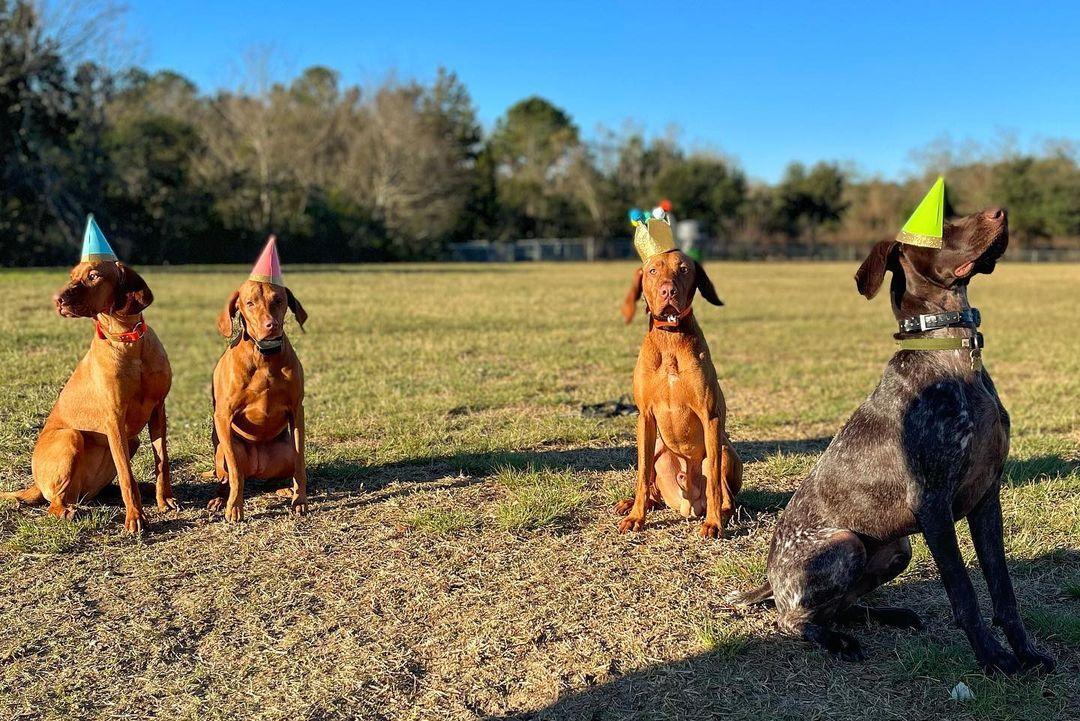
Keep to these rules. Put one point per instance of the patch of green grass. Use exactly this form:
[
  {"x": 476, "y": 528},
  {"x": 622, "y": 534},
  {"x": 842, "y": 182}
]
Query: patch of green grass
[
  {"x": 740, "y": 569},
  {"x": 719, "y": 638},
  {"x": 617, "y": 488},
  {"x": 764, "y": 500},
  {"x": 1063, "y": 625},
  {"x": 917, "y": 658},
  {"x": 782, "y": 465},
  {"x": 1022, "y": 698},
  {"x": 537, "y": 498},
  {"x": 50, "y": 535},
  {"x": 441, "y": 521}
]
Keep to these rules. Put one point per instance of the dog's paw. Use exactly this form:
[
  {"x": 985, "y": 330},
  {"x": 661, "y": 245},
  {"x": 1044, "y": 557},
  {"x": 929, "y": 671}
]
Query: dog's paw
[
  {"x": 996, "y": 659},
  {"x": 234, "y": 513},
  {"x": 168, "y": 504},
  {"x": 632, "y": 523},
  {"x": 62, "y": 511},
  {"x": 847, "y": 648},
  {"x": 623, "y": 507},
  {"x": 135, "y": 522},
  {"x": 711, "y": 530},
  {"x": 299, "y": 505},
  {"x": 216, "y": 504},
  {"x": 1034, "y": 658}
]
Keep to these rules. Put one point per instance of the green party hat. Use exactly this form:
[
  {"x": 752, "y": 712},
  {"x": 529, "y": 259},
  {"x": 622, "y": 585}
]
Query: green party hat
[{"x": 924, "y": 226}]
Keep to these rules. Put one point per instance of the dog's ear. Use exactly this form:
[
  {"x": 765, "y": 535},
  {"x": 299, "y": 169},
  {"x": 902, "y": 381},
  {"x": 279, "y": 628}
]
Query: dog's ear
[
  {"x": 224, "y": 321},
  {"x": 132, "y": 294},
  {"x": 704, "y": 285},
  {"x": 871, "y": 273},
  {"x": 296, "y": 308},
  {"x": 629, "y": 305}
]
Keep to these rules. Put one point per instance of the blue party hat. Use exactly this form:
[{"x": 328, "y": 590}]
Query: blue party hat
[{"x": 94, "y": 245}]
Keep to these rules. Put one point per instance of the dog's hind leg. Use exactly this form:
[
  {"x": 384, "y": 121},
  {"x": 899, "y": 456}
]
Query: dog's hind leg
[
  {"x": 812, "y": 573},
  {"x": 883, "y": 565},
  {"x": 68, "y": 468}
]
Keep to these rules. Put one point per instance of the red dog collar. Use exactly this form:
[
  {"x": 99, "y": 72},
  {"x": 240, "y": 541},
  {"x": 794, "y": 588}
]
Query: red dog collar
[
  {"x": 672, "y": 321},
  {"x": 129, "y": 337}
]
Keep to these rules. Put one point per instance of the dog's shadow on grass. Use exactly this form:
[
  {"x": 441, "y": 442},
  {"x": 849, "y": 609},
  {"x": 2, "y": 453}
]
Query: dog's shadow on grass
[
  {"x": 343, "y": 477},
  {"x": 1024, "y": 472},
  {"x": 737, "y": 677}
]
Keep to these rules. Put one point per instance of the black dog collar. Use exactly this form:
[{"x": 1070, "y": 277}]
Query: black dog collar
[
  {"x": 968, "y": 318},
  {"x": 266, "y": 347}
]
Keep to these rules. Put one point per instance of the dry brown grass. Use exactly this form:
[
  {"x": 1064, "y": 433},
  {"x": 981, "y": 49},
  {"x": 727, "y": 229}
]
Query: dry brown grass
[{"x": 461, "y": 560}]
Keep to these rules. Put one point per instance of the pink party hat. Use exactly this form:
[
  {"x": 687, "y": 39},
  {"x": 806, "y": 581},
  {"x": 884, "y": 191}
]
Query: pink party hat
[{"x": 267, "y": 268}]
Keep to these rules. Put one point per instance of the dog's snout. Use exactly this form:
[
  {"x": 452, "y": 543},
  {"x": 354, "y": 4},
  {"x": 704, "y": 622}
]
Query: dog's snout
[
  {"x": 995, "y": 213},
  {"x": 667, "y": 290}
]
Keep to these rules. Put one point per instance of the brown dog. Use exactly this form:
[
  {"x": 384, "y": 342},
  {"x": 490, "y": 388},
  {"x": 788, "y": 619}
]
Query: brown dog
[
  {"x": 924, "y": 450},
  {"x": 117, "y": 388},
  {"x": 685, "y": 458},
  {"x": 258, "y": 398}
]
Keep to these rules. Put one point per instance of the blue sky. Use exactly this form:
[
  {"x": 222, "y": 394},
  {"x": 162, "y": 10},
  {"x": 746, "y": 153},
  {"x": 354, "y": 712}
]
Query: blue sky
[{"x": 864, "y": 83}]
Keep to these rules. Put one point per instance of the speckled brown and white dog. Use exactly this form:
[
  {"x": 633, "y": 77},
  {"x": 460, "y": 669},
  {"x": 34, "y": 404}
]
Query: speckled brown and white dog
[{"x": 924, "y": 450}]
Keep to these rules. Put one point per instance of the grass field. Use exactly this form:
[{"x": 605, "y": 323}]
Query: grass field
[{"x": 461, "y": 561}]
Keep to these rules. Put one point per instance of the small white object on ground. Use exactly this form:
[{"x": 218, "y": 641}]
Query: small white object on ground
[{"x": 961, "y": 692}]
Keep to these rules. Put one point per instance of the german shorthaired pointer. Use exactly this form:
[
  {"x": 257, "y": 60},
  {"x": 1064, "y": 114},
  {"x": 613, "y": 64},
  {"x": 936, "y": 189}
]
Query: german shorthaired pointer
[{"x": 925, "y": 449}]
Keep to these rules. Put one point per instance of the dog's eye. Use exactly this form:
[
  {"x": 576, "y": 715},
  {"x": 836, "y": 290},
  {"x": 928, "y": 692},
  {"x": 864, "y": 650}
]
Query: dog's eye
[
  {"x": 250, "y": 304},
  {"x": 652, "y": 271},
  {"x": 684, "y": 269},
  {"x": 92, "y": 276}
]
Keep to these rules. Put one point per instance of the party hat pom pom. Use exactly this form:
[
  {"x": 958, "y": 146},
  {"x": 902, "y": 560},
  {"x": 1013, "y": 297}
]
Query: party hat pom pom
[
  {"x": 658, "y": 213},
  {"x": 666, "y": 205}
]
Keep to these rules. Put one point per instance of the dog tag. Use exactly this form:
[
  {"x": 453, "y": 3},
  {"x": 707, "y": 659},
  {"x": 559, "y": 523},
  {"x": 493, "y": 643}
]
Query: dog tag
[{"x": 976, "y": 359}]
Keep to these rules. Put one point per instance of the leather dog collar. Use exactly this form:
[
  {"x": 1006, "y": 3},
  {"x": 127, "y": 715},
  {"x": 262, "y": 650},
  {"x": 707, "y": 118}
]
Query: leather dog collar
[
  {"x": 266, "y": 347},
  {"x": 128, "y": 337},
  {"x": 974, "y": 344},
  {"x": 672, "y": 320},
  {"x": 969, "y": 318}
]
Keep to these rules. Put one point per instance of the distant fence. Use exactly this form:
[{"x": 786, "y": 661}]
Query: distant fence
[{"x": 506, "y": 251}]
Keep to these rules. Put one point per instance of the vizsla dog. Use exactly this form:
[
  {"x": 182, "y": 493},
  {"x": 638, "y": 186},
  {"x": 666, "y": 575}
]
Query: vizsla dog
[
  {"x": 685, "y": 458},
  {"x": 258, "y": 398},
  {"x": 926, "y": 449},
  {"x": 117, "y": 388}
]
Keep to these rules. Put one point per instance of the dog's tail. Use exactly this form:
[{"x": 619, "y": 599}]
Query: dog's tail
[
  {"x": 761, "y": 594},
  {"x": 31, "y": 496}
]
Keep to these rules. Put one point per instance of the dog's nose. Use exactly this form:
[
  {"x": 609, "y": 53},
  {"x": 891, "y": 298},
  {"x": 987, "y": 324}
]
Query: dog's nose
[
  {"x": 269, "y": 325},
  {"x": 995, "y": 213},
  {"x": 667, "y": 290}
]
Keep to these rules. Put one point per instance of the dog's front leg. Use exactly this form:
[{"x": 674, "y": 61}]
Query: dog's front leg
[
  {"x": 158, "y": 431},
  {"x": 234, "y": 505},
  {"x": 987, "y": 533},
  {"x": 936, "y": 521},
  {"x": 134, "y": 518},
  {"x": 646, "y": 477},
  {"x": 719, "y": 496},
  {"x": 299, "y": 497}
]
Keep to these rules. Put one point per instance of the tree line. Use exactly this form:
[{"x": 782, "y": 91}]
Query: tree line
[{"x": 399, "y": 170}]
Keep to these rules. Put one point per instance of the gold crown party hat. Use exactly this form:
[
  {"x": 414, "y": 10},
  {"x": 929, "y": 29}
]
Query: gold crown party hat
[{"x": 652, "y": 236}]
